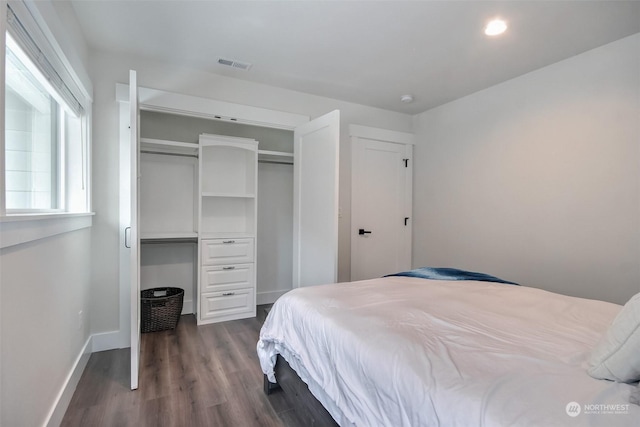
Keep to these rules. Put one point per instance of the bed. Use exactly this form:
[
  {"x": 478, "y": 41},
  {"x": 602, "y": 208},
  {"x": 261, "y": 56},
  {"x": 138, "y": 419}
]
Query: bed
[{"x": 405, "y": 351}]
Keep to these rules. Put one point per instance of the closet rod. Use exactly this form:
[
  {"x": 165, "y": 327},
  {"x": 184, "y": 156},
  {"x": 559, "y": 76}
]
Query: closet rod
[
  {"x": 168, "y": 154},
  {"x": 275, "y": 162},
  {"x": 169, "y": 240}
]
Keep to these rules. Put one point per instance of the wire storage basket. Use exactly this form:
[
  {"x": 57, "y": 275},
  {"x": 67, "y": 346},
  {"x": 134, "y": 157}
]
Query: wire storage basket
[{"x": 160, "y": 308}]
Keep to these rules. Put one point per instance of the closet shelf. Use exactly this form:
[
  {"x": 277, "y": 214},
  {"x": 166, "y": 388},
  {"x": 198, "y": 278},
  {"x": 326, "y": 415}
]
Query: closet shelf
[
  {"x": 165, "y": 236},
  {"x": 168, "y": 147},
  {"x": 230, "y": 195}
]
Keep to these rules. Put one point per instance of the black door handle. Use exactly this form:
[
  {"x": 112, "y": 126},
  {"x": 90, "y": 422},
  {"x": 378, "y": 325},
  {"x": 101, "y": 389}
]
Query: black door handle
[{"x": 362, "y": 232}]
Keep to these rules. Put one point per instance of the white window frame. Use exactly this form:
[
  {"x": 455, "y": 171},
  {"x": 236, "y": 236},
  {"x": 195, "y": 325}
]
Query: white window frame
[{"x": 22, "y": 227}]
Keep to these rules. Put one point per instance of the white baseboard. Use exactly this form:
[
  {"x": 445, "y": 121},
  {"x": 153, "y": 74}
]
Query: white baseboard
[
  {"x": 270, "y": 297},
  {"x": 60, "y": 405},
  {"x": 121, "y": 339},
  {"x": 106, "y": 341}
]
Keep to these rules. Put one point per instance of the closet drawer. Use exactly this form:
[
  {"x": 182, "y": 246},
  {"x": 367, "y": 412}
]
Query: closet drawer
[
  {"x": 227, "y": 251},
  {"x": 227, "y": 304},
  {"x": 227, "y": 277}
]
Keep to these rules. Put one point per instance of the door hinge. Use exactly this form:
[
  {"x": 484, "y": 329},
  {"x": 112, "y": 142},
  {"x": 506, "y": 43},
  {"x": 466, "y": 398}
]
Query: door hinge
[{"x": 406, "y": 162}]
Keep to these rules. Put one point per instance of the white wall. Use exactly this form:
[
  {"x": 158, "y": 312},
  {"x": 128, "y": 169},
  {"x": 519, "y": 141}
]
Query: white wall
[
  {"x": 44, "y": 285},
  {"x": 274, "y": 261},
  {"x": 537, "y": 179},
  {"x": 109, "y": 69}
]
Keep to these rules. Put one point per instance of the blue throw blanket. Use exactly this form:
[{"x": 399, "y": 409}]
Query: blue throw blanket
[{"x": 439, "y": 273}]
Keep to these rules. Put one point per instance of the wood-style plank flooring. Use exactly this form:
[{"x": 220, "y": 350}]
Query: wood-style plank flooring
[{"x": 191, "y": 376}]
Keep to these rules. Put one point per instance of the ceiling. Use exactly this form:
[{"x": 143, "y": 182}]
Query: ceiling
[{"x": 367, "y": 52}]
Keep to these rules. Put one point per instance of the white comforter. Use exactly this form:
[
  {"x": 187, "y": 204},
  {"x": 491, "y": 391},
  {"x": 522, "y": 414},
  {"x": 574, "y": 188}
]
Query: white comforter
[{"x": 403, "y": 351}]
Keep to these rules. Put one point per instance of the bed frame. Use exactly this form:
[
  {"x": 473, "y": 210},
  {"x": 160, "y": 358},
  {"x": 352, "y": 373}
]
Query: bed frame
[{"x": 306, "y": 405}]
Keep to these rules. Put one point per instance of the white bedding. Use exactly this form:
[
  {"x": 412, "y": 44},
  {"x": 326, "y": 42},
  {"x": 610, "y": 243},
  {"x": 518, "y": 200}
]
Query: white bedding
[{"x": 402, "y": 351}]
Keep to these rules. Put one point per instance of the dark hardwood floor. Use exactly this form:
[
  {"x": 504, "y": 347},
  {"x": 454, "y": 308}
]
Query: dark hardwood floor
[{"x": 191, "y": 376}]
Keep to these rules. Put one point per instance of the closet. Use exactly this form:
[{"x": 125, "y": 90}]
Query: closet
[
  {"x": 163, "y": 230},
  {"x": 229, "y": 187}
]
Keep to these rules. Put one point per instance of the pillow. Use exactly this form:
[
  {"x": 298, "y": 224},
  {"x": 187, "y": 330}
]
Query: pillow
[{"x": 617, "y": 356}]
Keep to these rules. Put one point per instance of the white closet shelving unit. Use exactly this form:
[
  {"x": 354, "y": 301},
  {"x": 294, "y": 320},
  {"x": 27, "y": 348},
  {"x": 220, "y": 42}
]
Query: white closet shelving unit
[
  {"x": 198, "y": 202},
  {"x": 227, "y": 223},
  {"x": 203, "y": 194}
]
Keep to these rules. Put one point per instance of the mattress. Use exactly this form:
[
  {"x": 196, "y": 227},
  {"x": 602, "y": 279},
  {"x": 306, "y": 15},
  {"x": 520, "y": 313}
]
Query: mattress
[{"x": 404, "y": 351}]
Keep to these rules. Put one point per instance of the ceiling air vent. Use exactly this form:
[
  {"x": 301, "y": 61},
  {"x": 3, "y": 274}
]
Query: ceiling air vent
[{"x": 235, "y": 64}]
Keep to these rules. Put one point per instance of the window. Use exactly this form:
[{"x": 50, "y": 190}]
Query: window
[
  {"x": 32, "y": 137},
  {"x": 46, "y": 137},
  {"x": 45, "y": 146}
]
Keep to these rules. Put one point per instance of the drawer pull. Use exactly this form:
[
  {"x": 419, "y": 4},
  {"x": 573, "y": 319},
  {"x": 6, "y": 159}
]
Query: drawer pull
[
  {"x": 226, "y": 294},
  {"x": 228, "y": 241},
  {"x": 228, "y": 268}
]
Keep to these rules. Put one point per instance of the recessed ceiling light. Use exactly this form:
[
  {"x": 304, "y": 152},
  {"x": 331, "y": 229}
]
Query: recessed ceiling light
[
  {"x": 406, "y": 99},
  {"x": 495, "y": 27}
]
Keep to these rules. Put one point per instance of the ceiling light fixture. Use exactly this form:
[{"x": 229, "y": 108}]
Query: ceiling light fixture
[
  {"x": 495, "y": 27},
  {"x": 406, "y": 99}
]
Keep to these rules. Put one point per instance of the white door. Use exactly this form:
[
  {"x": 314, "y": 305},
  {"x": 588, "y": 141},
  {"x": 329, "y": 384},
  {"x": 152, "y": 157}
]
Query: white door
[
  {"x": 134, "y": 237},
  {"x": 315, "y": 201},
  {"x": 381, "y": 191}
]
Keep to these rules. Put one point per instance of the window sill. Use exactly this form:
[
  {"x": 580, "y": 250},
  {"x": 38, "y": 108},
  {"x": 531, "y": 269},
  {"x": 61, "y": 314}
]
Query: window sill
[{"x": 23, "y": 228}]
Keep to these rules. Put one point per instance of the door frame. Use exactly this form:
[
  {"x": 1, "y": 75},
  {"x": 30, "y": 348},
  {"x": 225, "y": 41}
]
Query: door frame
[{"x": 358, "y": 133}]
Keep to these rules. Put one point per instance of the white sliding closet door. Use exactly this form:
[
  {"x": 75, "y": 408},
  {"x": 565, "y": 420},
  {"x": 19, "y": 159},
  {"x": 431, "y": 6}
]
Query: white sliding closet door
[
  {"x": 134, "y": 227},
  {"x": 315, "y": 201}
]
